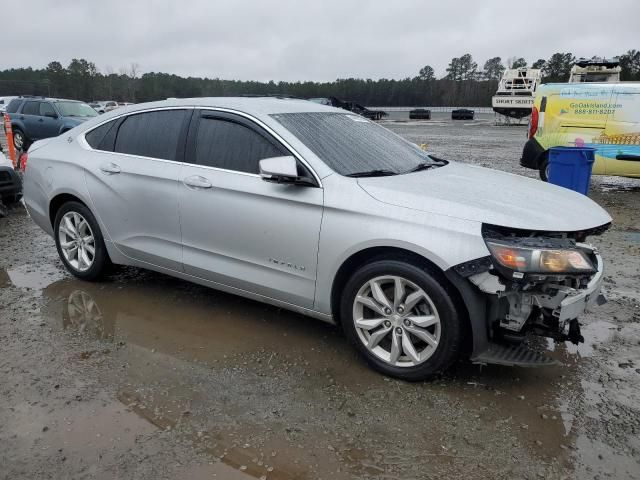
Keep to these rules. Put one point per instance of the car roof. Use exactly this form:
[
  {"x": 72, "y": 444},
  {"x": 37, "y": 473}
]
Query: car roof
[
  {"x": 260, "y": 106},
  {"x": 46, "y": 99}
]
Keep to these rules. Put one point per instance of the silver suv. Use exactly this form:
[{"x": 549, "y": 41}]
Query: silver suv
[{"x": 320, "y": 211}]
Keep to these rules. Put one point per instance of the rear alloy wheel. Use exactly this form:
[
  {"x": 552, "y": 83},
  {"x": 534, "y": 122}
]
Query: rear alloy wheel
[
  {"x": 401, "y": 320},
  {"x": 79, "y": 242}
]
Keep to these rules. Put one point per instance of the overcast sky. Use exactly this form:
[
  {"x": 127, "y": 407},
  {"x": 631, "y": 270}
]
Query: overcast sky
[{"x": 303, "y": 40}]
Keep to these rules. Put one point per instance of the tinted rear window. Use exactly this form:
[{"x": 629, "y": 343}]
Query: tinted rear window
[
  {"x": 13, "y": 105},
  {"x": 349, "y": 143},
  {"x": 232, "y": 146},
  {"x": 103, "y": 137},
  {"x": 151, "y": 134}
]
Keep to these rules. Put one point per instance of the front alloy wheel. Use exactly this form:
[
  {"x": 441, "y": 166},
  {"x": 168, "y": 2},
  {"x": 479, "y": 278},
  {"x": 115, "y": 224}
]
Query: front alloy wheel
[
  {"x": 396, "y": 321},
  {"x": 401, "y": 317}
]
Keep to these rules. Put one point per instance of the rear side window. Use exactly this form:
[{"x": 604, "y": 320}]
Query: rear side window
[
  {"x": 103, "y": 137},
  {"x": 31, "y": 108},
  {"x": 151, "y": 134},
  {"x": 13, "y": 105},
  {"x": 232, "y": 146}
]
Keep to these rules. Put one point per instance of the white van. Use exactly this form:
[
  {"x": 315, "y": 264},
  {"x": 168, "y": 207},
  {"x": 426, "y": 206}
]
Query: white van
[{"x": 605, "y": 116}]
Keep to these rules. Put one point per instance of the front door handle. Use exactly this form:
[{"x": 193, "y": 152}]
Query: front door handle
[
  {"x": 629, "y": 157},
  {"x": 110, "y": 168},
  {"x": 196, "y": 181}
]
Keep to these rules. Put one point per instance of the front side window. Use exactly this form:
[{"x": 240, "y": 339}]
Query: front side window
[
  {"x": 151, "y": 134},
  {"x": 31, "y": 108},
  {"x": 46, "y": 108},
  {"x": 75, "y": 109},
  {"x": 229, "y": 145},
  {"x": 350, "y": 144}
]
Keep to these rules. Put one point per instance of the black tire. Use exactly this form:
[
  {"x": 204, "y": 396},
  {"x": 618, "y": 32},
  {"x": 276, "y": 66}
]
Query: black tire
[
  {"x": 19, "y": 139},
  {"x": 436, "y": 287},
  {"x": 12, "y": 199},
  {"x": 101, "y": 262},
  {"x": 544, "y": 168}
]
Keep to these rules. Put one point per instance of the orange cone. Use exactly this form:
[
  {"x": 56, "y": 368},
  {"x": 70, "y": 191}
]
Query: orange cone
[{"x": 9, "y": 132}]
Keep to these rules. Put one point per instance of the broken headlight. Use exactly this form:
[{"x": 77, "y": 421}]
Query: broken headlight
[{"x": 539, "y": 260}]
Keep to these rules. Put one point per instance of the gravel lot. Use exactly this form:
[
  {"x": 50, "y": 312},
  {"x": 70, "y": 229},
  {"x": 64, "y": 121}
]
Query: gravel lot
[{"x": 145, "y": 376}]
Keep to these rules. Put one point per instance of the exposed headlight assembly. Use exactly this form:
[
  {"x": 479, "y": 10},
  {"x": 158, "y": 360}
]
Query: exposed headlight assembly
[{"x": 539, "y": 260}]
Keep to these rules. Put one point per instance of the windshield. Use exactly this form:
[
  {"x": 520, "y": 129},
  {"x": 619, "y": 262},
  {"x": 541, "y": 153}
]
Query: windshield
[
  {"x": 350, "y": 144},
  {"x": 321, "y": 101},
  {"x": 75, "y": 109}
]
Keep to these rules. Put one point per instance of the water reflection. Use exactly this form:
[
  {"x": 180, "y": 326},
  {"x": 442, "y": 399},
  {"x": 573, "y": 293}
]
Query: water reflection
[
  {"x": 192, "y": 322},
  {"x": 83, "y": 315}
]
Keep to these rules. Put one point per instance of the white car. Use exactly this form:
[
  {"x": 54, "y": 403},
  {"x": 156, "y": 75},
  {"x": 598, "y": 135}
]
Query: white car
[
  {"x": 4, "y": 101},
  {"x": 104, "y": 106}
]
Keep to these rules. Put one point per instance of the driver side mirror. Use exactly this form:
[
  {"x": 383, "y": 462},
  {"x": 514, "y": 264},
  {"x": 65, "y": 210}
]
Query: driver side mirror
[
  {"x": 51, "y": 114},
  {"x": 282, "y": 170}
]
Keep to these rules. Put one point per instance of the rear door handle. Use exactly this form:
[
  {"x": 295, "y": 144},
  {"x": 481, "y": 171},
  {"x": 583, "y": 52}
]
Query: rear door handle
[
  {"x": 196, "y": 181},
  {"x": 110, "y": 168}
]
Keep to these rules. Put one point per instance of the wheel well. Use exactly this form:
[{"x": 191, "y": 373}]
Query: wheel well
[
  {"x": 544, "y": 155},
  {"x": 60, "y": 200},
  {"x": 357, "y": 260}
]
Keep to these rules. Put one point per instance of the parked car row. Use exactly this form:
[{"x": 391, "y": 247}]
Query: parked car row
[
  {"x": 425, "y": 114},
  {"x": 350, "y": 106},
  {"x": 105, "y": 106}
]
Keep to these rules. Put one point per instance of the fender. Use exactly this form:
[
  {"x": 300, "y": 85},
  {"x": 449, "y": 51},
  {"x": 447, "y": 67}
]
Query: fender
[{"x": 15, "y": 123}]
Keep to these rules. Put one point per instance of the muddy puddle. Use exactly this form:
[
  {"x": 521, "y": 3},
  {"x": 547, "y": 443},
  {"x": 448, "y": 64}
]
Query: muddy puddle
[
  {"x": 31, "y": 277},
  {"x": 269, "y": 393}
]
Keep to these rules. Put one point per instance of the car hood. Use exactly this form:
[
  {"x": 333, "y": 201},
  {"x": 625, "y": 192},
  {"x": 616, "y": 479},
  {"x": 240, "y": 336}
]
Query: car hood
[
  {"x": 77, "y": 120},
  {"x": 489, "y": 196}
]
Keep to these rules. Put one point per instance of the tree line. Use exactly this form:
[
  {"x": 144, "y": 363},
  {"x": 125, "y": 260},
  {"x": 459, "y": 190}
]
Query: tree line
[{"x": 465, "y": 83}]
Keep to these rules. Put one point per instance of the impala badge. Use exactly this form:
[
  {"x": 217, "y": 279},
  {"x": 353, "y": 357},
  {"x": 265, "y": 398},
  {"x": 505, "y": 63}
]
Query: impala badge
[{"x": 293, "y": 266}]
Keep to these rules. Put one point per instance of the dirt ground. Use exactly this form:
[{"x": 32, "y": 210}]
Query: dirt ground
[{"x": 144, "y": 376}]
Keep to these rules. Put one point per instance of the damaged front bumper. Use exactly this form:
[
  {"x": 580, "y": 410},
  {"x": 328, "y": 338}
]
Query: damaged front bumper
[
  {"x": 576, "y": 302},
  {"x": 505, "y": 309}
]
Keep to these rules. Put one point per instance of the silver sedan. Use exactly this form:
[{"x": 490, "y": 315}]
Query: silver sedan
[{"x": 318, "y": 210}]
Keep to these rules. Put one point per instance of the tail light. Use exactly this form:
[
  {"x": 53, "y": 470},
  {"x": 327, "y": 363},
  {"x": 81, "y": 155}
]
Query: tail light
[
  {"x": 533, "y": 122},
  {"x": 22, "y": 161}
]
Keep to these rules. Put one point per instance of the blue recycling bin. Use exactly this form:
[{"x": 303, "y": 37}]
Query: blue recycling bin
[{"x": 570, "y": 167}]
